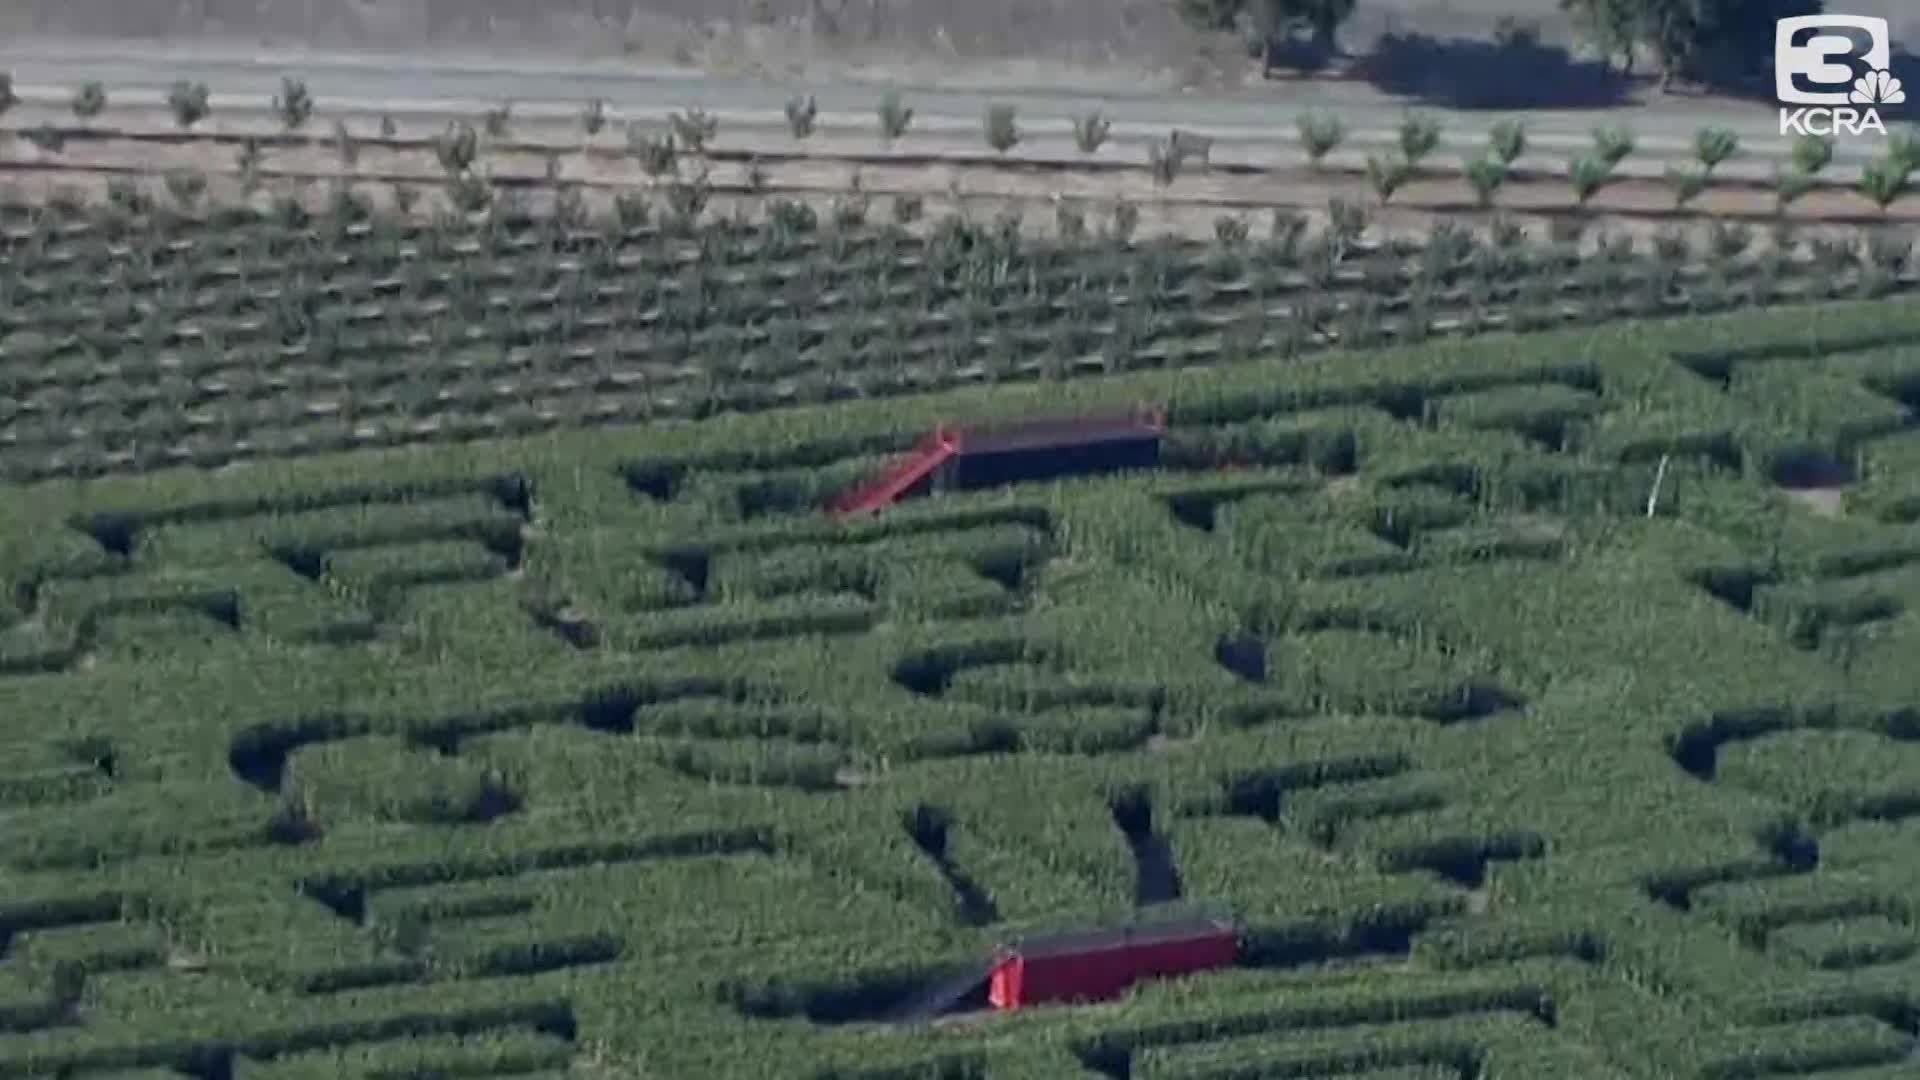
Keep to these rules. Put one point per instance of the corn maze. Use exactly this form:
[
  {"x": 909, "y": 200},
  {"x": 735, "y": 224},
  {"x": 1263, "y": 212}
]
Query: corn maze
[{"x": 1508, "y": 688}]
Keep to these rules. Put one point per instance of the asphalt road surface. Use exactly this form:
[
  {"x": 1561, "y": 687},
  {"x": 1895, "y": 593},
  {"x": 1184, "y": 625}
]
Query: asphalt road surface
[{"x": 362, "y": 84}]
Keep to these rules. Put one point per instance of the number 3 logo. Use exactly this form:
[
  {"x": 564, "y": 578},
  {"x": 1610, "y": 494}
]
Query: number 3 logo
[{"x": 1814, "y": 68}]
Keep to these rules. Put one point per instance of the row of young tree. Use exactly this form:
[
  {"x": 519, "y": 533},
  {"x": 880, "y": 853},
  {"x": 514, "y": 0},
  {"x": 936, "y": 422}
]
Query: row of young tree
[{"x": 1702, "y": 40}]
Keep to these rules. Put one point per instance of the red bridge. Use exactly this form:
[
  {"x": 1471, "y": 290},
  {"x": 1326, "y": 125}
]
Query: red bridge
[
  {"x": 950, "y": 459},
  {"x": 1095, "y": 965},
  {"x": 1083, "y": 965}
]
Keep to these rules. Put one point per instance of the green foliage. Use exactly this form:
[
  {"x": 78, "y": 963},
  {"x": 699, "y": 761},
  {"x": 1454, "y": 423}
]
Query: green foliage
[
  {"x": 1714, "y": 145},
  {"x": 1386, "y": 175},
  {"x": 694, "y": 128},
  {"x": 1612, "y": 145},
  {"x": 498, "y": 120},
  {"x": 593, "y": 117},
  {"x": 1588, "y": 173},
  {"x": 1090, "y": 131},
  {"x": 1687, "y": 183},
  {"x": 1320, "y": 133},
  {"x": 1790, "y": 184},
  {"x": 293, "y": 103},
  {"x": 801, "y": 114},
  {"x": 1419, "y": 135},
  {"x": 456, "y": 148},
  {"x": 1485, "y": 175},
  {"x": 1508, "y": 140},
  {"x": 1884, "y": 179},
  {"x": 894, "y": 115},
  {"x": 90, "y": 100},
  {"x": 600, "y": 748},
  {"x": 999, "y": 127},
  {"x": 1812, "y": 153},
  {"x": 659, "y": 154},
  {"x": 188, "y": 101}
]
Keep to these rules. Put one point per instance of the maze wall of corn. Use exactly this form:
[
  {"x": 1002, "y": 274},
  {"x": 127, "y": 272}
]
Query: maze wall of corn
[{"x": 422, "y": 653}]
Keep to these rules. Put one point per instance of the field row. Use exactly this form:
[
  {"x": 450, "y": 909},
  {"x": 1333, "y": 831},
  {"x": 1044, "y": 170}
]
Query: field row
[
  {"x": 1492, "y": 167},
  {"x": 195, "y": 362}
]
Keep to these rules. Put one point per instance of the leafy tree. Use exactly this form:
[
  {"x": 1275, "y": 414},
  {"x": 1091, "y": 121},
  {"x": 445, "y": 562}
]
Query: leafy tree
[
  {"x": 1812, "y": 153},
  {"x": 1588, "y": 174},
  {"x": 1713, "y": 145},
  {"x": 188, "y": 101},
  {"x": 1319, "y": 134},
  {"x": 1687, "y": 183},
  {"x": 1486, "y": 175},
  {"x": 1419, "y": 135},
  {"x": 1321, "y": 18},
  {"x": 1708, "y": 40},
  {"x": 1001, "y": 129},
  {"x": 1271, "y": 19},
  {"x": 1387, "y": 175},
  {"x": 1090, "y": 130},
  {"x": 1507, "y": 141},
  {"x": 89, "y": 100},
  {"x": 1611, "y": 26}
]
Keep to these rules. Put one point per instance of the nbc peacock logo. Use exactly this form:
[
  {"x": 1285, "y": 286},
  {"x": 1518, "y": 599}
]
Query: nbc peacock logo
[
  {"x": 1877, "y": 88},
  {"x": 1838, "y": 70}
]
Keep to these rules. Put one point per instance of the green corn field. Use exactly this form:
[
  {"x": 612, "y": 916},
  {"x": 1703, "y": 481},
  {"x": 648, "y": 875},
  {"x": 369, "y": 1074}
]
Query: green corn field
[{"x": 423, "y": 654}]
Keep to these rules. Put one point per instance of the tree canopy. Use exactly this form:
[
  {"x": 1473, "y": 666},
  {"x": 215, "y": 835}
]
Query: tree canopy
[{"x": 1707, "y": 40}]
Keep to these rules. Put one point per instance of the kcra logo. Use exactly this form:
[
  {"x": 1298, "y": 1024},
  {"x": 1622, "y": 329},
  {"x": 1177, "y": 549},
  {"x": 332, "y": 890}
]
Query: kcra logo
[{"x": 1832, "y": 66}]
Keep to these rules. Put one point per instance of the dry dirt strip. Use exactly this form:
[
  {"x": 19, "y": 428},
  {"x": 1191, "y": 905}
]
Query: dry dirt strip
[
  {"x": 746, "y": 159},
  {"x": 1662, "y": 135}
]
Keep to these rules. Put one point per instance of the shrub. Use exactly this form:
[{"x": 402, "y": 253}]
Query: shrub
[
  {"x": 801, "y": 114},
  {"x": 1163, "y": 161},
  {"x": 657, "y": 153},
  {"x": 1903, "y": 146},
  {"x": 1789, "y": 184},
  {"x": 1588, "y": 173},
  {"x": 186, "y": 187},
  {"x": 1090, "y": 131},
  {"x": 1419, "y": 136},
  {"x": 1812, "y": 153},
  {"x": 1508, "y": 141},
  {"x": 345, "y": 145},
  {"x": 293, "y": 103},
  {"x": 1713, "y": 145},
  {"x": 593, "y": 117},
  {"x": 1320, "y": 133},
  {"x": 999, "y": 128},
  {"x": 1687, "y": 183},
  {"x": 894, "y": 116},
  {"x": 1230, "y": 232},
  {"x": 46, "y": 138},
  {"x": 188, "y": 101},
  {"x": 1485, "y": 175},
  {"x": 1883, "y": 180},
  {"x": 1387, "y": 175},
  {"x": 456, "y": 147},
  {"x": 497, "y": 120},
  {"x": 90, "y": 100},
  {"x": 1612, "y": 144},
  {"x": 694, "y": 128}
]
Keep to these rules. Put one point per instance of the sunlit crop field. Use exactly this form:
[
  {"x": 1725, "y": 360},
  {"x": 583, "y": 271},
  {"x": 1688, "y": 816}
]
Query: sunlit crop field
[{"x": 494, "y": 700}]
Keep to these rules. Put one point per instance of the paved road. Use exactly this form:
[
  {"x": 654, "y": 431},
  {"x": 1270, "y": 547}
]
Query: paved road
[{"x": 45, "y": 73}]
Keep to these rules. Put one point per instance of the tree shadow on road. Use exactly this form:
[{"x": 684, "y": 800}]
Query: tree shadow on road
[
  {"x": 1758, "y": 86},
  {"x": 1462, "y": 73}
]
